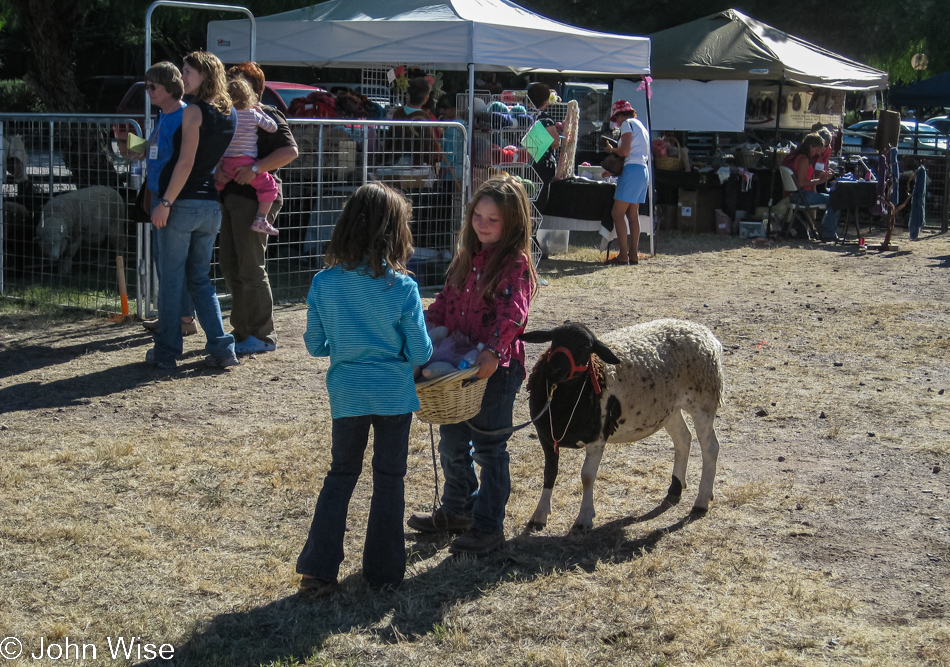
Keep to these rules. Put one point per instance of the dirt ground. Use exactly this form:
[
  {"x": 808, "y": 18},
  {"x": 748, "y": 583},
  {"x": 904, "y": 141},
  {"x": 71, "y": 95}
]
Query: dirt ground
[{"x": 837, "y": 377}]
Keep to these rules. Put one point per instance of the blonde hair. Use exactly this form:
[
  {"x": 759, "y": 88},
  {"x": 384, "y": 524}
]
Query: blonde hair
[
  {"x": 214, "y": 85},
  {"x": 511, "y": 199},
  {"x": 242, "y": 95}
]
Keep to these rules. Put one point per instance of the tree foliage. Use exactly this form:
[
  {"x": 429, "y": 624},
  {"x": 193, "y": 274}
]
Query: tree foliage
[{"x": 54, "y": 42}]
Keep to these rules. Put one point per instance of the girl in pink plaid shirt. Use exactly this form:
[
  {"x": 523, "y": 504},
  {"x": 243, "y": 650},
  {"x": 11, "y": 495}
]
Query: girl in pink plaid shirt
[{"x": 487, "y": 293}]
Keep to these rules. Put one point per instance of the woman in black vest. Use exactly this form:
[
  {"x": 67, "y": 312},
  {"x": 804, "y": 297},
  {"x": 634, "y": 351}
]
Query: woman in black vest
[{"x": 188, "y": 216}]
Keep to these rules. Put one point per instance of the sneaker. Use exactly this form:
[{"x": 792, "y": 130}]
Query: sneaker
[
  {"x": 151, "y": 360},
  {"x": 252, "y": 345},
  {"x": 477, "y": 543},
  {"x": 211, "y": 362},
  {"x": 439, "y": 521},
  {"x": 260, "y": 224}
]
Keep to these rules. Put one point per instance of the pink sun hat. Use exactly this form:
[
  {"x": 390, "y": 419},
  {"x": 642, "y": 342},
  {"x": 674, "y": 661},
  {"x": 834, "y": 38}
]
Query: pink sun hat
[{"x": 619, "y": 107}]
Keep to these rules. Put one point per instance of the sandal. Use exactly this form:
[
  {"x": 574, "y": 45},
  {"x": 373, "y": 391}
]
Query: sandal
[{"x": 616, "y": 261}]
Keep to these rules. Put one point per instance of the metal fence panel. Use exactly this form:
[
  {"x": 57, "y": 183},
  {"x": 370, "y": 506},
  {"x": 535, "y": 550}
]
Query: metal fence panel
[
  {"x": 47, "y": 156},
  {"x": 65, "y": 215}
]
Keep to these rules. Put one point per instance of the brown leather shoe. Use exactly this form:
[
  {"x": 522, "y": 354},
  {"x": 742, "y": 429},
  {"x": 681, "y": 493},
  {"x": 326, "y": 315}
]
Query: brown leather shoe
[
  {"x": 477, "y": 543},
  {"x": 187, "y": 328},
  {"x": 313, "y": 587},
  {"x": 439, "y": 521}
]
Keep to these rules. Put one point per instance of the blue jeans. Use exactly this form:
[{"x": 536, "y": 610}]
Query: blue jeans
[
  {"x": 184, "y": 254},
  {"x": 460, "y": 448},
  {"x": 384, "y": 552},
  {"x": 187, "y": 306},
  {"x": 829, "y": 223}
]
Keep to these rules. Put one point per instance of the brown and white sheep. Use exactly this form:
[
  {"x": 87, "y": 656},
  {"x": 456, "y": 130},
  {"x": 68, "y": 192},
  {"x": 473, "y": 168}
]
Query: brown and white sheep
[{"x": 636, "y": 381}]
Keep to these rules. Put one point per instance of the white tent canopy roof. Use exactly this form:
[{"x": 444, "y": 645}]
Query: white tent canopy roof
[{"x": 493, "y": 35}]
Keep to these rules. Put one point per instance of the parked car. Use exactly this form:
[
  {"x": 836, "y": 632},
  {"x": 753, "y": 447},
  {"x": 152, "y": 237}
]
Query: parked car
[
  {"x": 376, "y": 92},
  {"x": 942, "y": 123},
  {"x": 104, "y": 93},
  {"x": 860, "y": 138},
  {"x": 281, "y": 94},
  {"x": 278, "y": 94}
]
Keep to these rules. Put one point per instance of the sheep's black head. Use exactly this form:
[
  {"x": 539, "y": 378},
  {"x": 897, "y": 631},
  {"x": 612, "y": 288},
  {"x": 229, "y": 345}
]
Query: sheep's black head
[{"x": 571, "y": 346}]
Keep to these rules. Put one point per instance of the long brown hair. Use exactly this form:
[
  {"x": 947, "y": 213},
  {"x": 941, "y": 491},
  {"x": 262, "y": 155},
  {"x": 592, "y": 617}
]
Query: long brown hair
[
  {"x": 804, "y": 148},
  {"x": 214, "y": 85},
  {"x": 512, "y": 201},
  {"x": 374, "y": 226}
]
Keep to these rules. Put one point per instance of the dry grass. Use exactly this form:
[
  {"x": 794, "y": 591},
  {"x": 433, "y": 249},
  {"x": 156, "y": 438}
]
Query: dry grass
[{"x": 173, "y": 509}]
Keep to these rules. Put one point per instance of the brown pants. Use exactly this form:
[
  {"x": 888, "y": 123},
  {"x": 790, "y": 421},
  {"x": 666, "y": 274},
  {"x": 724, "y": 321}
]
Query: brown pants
[{"x": 242, "y": 254}]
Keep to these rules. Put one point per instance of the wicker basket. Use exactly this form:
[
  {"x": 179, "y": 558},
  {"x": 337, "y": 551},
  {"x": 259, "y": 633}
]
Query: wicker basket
[
  {"x": 666, "y": 163},
  {"x": 748, "y": 159},
  {"x": 452, "y": 398}
]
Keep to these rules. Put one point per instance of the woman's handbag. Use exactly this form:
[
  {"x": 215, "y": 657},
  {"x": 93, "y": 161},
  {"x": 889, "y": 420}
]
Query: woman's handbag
[
  {"x": 142, "y": 211},
  {"x": 613, "y": 164}
]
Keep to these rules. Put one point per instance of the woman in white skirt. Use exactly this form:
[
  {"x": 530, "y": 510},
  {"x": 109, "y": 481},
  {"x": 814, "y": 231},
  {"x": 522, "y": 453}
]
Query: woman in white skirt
[{"x": 633, "y": 182}]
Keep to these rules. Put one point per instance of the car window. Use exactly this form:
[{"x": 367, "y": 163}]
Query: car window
[
  {"x": 269, "y": 98},
  {"x": 288, "y": 95}
]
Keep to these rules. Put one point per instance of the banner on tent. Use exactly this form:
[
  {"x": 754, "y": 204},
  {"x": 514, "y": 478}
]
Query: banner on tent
[
  {"x": 683, "y": 104},
  {"x": 797, "y": 108}
]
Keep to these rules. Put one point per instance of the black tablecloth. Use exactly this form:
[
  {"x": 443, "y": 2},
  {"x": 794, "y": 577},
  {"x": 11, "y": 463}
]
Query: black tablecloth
[
  {"x": 585, "y": 200},
  {"x": 853, "y": 194},
  {"x": 580, "y": 198}
]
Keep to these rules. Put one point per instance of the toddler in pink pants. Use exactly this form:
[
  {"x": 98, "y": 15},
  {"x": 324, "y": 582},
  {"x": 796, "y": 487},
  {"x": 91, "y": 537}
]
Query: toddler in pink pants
[{"x": 243, "y": 151}]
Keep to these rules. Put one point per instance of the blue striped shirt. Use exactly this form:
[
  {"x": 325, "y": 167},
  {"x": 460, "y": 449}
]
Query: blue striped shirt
[{"x": 374, "y": 332}]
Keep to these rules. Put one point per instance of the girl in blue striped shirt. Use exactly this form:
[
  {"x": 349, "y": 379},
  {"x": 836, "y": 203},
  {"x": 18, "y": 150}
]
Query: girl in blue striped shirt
[{"x": 366, "y": 315}]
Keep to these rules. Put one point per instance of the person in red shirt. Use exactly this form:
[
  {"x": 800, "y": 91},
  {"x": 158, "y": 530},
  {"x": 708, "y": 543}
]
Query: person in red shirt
[
  {"x": 486, "y": 297},
  {"x": 802, "y": 162}
]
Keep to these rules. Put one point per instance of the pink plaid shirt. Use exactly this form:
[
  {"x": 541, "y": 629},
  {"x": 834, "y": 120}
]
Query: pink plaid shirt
[{"x": 495, "y": 323}]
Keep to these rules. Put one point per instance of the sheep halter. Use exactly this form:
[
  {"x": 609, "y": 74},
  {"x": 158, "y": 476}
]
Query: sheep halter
[{"x": 575, "y": 371}]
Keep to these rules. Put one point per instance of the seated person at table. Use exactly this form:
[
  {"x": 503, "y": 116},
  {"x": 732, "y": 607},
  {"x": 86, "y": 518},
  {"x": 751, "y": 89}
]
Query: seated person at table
[
  {"x": 802, "y": 163},
  {"x": 825, "y": 158}
]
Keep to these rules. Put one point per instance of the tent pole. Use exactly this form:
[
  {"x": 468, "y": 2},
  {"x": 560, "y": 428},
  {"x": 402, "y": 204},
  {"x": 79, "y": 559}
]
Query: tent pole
[
  {"x": 652, "y": 179},
  {"x": 775, "y": 165},
  {"x": 466, "y": 185}
]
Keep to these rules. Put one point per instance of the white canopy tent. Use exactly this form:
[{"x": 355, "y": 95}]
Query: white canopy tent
[
  {"x": 455, "y": 35},
  {"x": 491, "y": 35}
]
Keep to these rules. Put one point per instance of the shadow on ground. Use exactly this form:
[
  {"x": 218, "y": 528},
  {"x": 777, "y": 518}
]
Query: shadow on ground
[{"x": 296, "y": 627}]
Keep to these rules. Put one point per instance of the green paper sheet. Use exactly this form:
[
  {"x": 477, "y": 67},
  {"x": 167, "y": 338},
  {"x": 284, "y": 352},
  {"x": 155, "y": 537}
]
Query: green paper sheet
[
  {"x": 537, "y": 141},
  {"x": 136, "y": 143}
]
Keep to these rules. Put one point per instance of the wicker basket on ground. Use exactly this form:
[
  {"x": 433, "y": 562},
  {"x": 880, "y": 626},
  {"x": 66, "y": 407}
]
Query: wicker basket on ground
[
  {"x": 452, "y": 398},
  {"x": 666, "y": 163}
]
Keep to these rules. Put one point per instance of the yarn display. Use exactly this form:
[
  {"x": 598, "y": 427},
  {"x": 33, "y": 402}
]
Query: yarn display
[{"x": 565, "y": 162}]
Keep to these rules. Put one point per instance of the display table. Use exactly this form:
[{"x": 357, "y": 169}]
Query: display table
[
  {"x": 579, "y": 204},
  {"x": 850, "y": 196}
]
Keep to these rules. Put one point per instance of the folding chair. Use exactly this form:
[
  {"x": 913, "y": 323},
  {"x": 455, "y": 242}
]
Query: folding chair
[{"x": 797, "y": 205}]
